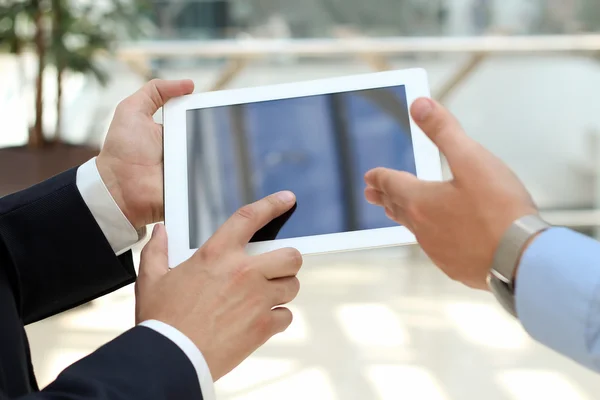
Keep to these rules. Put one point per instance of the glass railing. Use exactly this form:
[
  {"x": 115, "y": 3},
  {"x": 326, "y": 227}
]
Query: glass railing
[{"x": 218, "y": 19}]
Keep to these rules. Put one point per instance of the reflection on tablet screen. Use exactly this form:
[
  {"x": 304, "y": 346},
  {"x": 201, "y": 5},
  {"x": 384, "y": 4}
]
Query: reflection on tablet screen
[{"x": 319, "y": 147}]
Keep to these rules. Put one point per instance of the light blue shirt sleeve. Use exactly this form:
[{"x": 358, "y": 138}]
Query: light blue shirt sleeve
[{"x": 558, "y": 294}]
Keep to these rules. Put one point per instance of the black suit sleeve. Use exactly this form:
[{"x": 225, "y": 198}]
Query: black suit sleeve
[
  {"x": 140, "y": 364},
  {"x": 55, "y": 252}
]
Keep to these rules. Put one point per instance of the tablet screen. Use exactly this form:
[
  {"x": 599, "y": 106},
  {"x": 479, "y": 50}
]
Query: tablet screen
[{"x": 319, "y": 147}]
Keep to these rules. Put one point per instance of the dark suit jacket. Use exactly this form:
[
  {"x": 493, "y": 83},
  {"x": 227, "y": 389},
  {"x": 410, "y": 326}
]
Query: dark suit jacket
[{"x": 53, "y": 257}]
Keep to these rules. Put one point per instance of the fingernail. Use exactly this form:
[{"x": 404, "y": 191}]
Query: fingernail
[
  {"x": 422, "y": 109},
  {"x": 156, "y": 229},
  {"x": 286, "y": 196}
]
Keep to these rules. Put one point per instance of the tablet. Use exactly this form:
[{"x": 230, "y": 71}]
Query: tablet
[{"x": 225, "y": 149}]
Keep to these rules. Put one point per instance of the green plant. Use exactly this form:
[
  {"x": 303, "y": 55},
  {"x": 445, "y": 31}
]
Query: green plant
[
  {"x": 69, "y": 35},
  {"x": 22, "y": 25},
  {"x": 14, "y": 35},
  {"x": 80, "y": 33},
  {"x": 73, "y": 45}
]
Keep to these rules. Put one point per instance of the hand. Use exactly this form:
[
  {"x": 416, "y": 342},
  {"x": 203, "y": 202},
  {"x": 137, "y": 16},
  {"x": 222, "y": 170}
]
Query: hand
[
  {"x": 130, "y": 162},
  {"x": 459, "y": 223},
  {"x": 225, "y": 301}
]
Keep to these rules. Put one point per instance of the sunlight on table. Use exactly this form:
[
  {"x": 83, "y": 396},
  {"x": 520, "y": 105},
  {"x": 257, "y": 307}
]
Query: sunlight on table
[
  {"x": 546, "y": 385},
  {"x": 394, "y": 382},
  {"x": 487, "y": 325},
  {"x": 372, "y": 325}
]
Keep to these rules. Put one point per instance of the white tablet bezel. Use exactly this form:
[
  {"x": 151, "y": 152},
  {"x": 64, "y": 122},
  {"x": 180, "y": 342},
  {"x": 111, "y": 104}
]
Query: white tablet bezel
[{"x": 427, "y": 159}]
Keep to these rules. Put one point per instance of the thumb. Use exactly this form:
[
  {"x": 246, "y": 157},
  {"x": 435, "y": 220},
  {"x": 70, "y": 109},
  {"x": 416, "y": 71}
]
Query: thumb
[
  {"x": 154, "y": 262},
  {"x": 399, "y": 186},
  {"x": 446, "y": 133},
  {"x": 154, "y": 94}
]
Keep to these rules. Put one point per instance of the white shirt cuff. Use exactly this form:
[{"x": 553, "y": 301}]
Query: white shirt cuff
[
  {"x": 191, "y": 351},
  {"x": 116, "y": 227}
]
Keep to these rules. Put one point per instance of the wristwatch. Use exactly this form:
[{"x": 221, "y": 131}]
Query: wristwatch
[{"x": 501, "y": 278}]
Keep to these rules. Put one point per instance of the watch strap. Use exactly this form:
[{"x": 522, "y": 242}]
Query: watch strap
[
  {"x": 503, "y": 293},
  {"x": 506, "y": 259},
  {"x": 511, "y": 246}
]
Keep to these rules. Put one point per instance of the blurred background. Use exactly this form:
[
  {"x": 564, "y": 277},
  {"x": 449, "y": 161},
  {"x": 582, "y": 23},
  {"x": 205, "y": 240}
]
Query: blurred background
[{"x": 522, "y": 75}]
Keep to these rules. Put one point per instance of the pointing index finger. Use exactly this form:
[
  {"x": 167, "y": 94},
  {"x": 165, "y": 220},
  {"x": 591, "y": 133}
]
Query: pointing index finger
[
  {"x": 447, "y": 134},
  {"x": 241, "y": 227}
]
